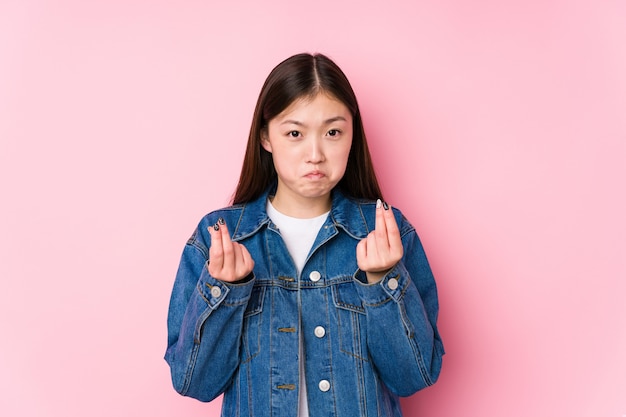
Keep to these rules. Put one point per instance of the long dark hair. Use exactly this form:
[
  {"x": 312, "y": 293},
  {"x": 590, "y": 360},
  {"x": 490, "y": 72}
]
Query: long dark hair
[{"x": 296, "y": 77}]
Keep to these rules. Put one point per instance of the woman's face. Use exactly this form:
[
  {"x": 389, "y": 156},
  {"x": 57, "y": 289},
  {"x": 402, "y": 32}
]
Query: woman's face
[{"x": 310, "y": 142}]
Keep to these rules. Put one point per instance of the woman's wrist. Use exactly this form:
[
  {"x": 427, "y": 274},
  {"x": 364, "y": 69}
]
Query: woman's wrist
[{"x": 374, "y": 277}]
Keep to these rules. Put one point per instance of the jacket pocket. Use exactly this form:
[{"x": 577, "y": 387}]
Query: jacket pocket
[
  {"x": 250, "y": 340},
  {"x": 350, "y": 320}
]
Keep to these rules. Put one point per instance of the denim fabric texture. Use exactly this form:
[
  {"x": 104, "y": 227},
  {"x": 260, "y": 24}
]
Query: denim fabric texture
[{"x": 365, "y": 344}]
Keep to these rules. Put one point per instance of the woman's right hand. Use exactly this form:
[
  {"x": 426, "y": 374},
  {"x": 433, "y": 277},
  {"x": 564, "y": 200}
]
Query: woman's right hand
[{"x": 228, "y": 261}]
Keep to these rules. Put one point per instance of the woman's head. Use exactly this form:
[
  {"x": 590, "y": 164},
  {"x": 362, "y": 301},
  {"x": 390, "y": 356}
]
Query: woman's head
[{"x": 299, "y": 77}]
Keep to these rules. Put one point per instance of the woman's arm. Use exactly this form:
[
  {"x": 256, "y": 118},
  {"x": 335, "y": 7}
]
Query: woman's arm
[
  {"x": 402, "y": 310},
  {"x": 204, "y": 325}
]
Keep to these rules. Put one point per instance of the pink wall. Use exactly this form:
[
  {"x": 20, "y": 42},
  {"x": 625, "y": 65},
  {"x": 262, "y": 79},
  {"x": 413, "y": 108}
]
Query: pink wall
[{"x": 498, "y": 127}]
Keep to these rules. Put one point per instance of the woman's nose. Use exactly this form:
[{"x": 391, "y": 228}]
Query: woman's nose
[{"x": 315, "y": 152}]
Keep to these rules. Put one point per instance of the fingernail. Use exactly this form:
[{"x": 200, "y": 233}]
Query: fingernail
[
  {"x": 221, "y": 221},
  {"x": 386, "y": 206},
  {"x": 216, "y": 226},
  {"x": 378, "y": 203}
]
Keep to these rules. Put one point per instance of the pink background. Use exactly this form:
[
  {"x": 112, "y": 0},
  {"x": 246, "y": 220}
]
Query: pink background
[{"x": 498, "y": 127}]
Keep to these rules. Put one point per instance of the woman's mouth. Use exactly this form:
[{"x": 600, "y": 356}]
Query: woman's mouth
[{"x": 314, "y": 175}]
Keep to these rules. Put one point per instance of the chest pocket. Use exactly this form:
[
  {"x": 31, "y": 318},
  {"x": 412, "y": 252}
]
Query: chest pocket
[
  {"x": 250, "y": 340},
  {"x": 350, "y": 320}
]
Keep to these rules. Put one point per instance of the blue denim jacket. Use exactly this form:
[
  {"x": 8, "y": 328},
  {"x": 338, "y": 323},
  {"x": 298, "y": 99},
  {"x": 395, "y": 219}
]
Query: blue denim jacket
[{"x": 365, "y": 344}]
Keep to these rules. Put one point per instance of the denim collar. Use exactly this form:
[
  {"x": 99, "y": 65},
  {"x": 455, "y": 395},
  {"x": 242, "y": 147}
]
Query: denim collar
[{"x": 346, "y": 213}]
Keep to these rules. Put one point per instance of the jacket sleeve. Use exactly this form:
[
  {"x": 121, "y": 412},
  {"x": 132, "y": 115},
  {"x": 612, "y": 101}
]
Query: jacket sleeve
[
  {"x": 204, "y": 324},
  {"x": 401, "y": 313}
]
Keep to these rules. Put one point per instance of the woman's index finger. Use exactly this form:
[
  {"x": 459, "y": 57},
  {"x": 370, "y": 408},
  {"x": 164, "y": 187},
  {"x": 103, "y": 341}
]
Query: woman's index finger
[
  {"x": 393, "y": 232},
  {"x": 390, "y": 219}
]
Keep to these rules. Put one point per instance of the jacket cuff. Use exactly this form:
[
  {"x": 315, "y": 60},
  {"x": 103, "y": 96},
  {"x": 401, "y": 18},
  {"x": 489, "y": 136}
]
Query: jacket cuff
[
  {"x": 392, "y": 285},
  {"x": 215, "y": 291}
]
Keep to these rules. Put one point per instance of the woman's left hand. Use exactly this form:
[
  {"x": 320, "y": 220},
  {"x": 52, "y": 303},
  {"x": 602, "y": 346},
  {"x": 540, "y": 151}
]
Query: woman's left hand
[{"x": 382, "y": 248}]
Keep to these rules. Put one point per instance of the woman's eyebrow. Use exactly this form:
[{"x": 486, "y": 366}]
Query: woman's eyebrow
[
  {"x": 335, "y": 119},
  {"x": 326, "y": 122},
  {"x": 292, "y": 122}
]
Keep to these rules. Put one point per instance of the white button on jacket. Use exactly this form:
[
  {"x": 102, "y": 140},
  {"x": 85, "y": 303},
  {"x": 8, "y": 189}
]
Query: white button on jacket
[
  {"x": 320, "y": 331},
  {"x": 315, "y": 276},
  {"x": 324, "y": 385},
  {"x": 216, "y": 291},
  {"x": 392, "y": 283}
]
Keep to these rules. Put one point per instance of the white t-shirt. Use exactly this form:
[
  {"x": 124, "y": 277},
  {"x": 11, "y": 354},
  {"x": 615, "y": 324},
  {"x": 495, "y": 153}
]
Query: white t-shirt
[{"x": 299, "y": 236}]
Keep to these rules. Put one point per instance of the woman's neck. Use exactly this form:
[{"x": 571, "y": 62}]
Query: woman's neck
[{"x": 301, "y": 208}]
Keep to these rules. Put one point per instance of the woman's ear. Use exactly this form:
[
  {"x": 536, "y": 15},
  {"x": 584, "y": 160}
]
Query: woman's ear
[{"x": 265, "y": 141}]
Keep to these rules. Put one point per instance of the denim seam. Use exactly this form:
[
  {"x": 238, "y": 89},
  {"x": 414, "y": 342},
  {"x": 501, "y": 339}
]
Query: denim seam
[
  {"x": 190, "y": 368},
  {"x": 414, "y": 345},
  {"x": 350, "y": 328},
  {"x": 388, "y": 299},
  {"x": 256, "y": 316},
  {"x": 195, "y": 243},
  {"x": 362, "y": 389},
  {"x": 249, "y": 379},
  {"x": 197, "y": 334}
]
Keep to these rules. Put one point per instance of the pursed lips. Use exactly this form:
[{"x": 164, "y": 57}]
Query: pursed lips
[{"x": 315, "y": 175}]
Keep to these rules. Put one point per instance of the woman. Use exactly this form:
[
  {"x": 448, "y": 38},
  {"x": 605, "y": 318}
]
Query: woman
[{"x": 308, "y": 296}]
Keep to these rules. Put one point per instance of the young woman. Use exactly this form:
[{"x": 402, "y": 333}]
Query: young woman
[{"x": 309, "y": 296}]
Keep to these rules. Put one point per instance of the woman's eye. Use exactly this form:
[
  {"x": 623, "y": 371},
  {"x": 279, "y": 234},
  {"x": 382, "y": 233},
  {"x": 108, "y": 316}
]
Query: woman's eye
[
  {"x": 333, "y": 132},
  {"x": 294, "y": 134}
]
